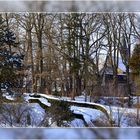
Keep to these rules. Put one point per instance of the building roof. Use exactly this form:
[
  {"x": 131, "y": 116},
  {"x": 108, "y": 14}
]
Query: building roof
[
  {"x": 121, "y": 65},
  {"x": 108, "y": 69}
]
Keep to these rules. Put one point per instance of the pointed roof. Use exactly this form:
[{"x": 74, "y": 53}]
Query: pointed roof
[{"x": 108, "y": 68}]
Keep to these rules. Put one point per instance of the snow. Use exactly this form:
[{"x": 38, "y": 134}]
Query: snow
[
  {"x": 12, "y": 112},
  {"x": 42, "y": 100},
  {"x": 88, "y": 113},
  {"x": 121, "y": 65},
  {"x": 122, "y": 109},
  {"x": 9, "y": 97},
  {"x": 37, "y": 113},
  {"x": 126, "y": 115},
  {"x": 77, "y": 98},
  {"x": 77, "y": 123},
  {"x": 135, "y": 99},
  {"x": 82, "y": 98},
  {"x": 50, "y": 97},
  {"x": 72, "y": 101}
]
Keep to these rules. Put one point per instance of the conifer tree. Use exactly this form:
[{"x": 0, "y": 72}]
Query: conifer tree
[
  {"x": 135, "y": 60},
  {"x": 10, "y": 61}
]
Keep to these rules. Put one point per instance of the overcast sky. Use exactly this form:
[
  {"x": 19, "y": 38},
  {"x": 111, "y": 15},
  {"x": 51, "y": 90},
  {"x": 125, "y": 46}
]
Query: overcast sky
[{"x": 65, "y": 6}]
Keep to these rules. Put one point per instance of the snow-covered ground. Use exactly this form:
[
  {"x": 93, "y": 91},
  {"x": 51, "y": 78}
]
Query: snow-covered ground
[
  {"x": 77, "y": 123},
  {"x": 123, "y": 116},
  {"x": 88, "y": 113},
  {"x": 21, "y": 115},
  {"x": 81, "y": 101},
  {"x": 42, "y": 100},
  {"x": 8, "y": 96},
  {"x": 37, "y": 114},
  {"x": 127, "y": 118}
]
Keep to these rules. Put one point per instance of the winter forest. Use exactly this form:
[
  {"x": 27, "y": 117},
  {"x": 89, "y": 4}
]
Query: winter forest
[{"x": 69, "y": 69}]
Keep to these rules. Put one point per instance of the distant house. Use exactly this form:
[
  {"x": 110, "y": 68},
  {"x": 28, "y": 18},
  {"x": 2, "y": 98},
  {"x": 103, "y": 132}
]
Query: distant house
[{"x": 107, "y": 81}]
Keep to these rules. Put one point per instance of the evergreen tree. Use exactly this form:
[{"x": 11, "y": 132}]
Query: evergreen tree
[
  {"x": 135, "y": 67},
  {"x": 135, "y": 60},
  {"x": 10, "y": 61}
]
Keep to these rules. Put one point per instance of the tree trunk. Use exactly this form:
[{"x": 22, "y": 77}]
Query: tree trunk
[
  {"x": 128, "y": 87},
  {"x": 138, "y": 110}
]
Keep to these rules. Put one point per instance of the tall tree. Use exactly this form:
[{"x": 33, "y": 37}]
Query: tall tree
[
  {"x": 135, "y": 68},
  {"x": 10, "y": 61},
  {"x": 126, "y": 47},
  {"x": 38, "y": 21},
  {"x": 135, "y": 61}
]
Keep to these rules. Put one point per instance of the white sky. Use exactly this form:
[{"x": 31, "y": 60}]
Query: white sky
[{"x": 63, "y": 6}]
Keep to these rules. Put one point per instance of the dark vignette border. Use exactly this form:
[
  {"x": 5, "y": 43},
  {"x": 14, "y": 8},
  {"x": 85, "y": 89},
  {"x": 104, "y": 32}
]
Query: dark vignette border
[{"x": 58, "y": 6}]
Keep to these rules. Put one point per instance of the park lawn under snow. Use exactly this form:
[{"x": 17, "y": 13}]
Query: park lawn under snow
[
  {"x": 88, "y": 113},
  {"x": 126, "y": 115}
]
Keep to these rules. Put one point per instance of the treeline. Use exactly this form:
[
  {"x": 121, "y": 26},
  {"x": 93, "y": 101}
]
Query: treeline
[{"x": 64, "y": 52}]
